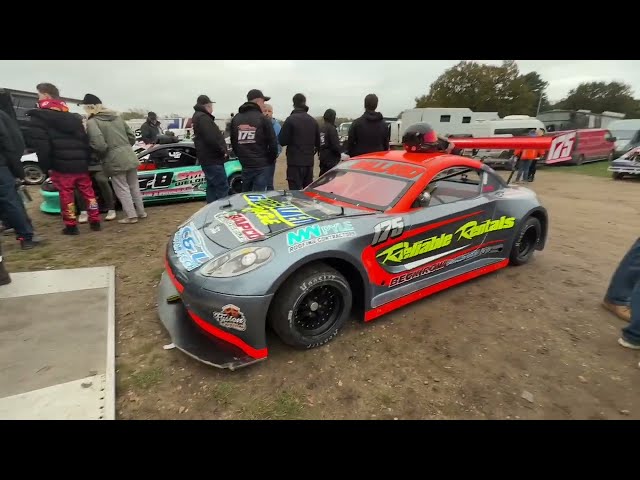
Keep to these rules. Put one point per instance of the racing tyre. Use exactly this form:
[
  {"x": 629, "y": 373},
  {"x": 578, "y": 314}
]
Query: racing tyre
[
  {"x": 311, "y": 307},
  {"x": 235, "y": 183},
  {"x": 526, "y": 241},
  {"x": 33, "y": 174}
]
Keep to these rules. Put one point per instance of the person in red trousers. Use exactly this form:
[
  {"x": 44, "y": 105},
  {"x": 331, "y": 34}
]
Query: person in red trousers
[{"x": 63, "y": 150}]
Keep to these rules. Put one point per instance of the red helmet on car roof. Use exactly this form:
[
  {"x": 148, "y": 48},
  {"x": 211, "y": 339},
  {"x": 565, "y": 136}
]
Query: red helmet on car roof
[{"x": 420, "y": 137}]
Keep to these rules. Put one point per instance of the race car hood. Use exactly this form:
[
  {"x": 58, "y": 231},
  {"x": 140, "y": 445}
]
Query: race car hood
[{"x": 252, "y": 217}]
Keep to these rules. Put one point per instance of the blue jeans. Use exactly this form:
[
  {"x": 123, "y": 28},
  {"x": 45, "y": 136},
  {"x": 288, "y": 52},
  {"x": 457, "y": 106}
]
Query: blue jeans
[
  {"x": 271, "y": 172},
  {"x": 255, "y": 179},
  {"x": 523, "y": 170},
  {"x": 12, "y": 207},
  {"x": 217, "y": 183},
  {"x": 624, "y": 289}
]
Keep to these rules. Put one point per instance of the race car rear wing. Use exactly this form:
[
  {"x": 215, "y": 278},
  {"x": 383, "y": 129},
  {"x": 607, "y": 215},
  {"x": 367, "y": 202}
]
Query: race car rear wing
[{"x": 503, "y": 143}]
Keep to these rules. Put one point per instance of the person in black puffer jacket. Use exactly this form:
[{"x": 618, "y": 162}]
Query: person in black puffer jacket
[
  {"x": 301, "y": 135},
  {"x": 63, "y": 150},
  {"x": 369, "y": 133},
  {"x": 211, "y": 149},
  {"x": 254, "y": 142},
  {"x": 330, "y": 148}
]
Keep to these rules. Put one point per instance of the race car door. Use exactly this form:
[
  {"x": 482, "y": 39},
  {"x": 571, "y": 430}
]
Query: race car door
[
  {"x": 176, "y": 174},
  {"x": 452, "y": 232}
]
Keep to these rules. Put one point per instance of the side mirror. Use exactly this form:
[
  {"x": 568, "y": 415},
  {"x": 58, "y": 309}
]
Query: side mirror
[
  {"x": 612, "y": 139},
  {"x": 424, "y": 199}
]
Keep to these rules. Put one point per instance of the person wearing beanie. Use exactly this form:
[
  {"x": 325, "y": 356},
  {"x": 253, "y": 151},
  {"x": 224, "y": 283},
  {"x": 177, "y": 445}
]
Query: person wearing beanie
[
  {"x": 111, "y": 139},
  {"x": 254, "y": 142},
  {"x": 301, "y": 135},
  {"x": 63, "y": 150},
  {"x": 150, "y": 130},
  {"x": 329, "y": 143},
  {"x": 369, "y": 133},
  {"x": 211, "y": 149}
]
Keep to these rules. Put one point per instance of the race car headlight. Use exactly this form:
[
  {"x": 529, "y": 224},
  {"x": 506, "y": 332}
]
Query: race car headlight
[{"x": 237, "y": 262}]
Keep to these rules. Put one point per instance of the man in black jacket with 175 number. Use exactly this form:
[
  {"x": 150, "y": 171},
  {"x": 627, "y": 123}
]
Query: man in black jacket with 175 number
[
  {"x": 301, "y": 135},
  {"x": 211, "y": 149},
  {"x": 254, "y": 142},
  {"x": 329, "y": 143},
  {"x": 369, "y": 133}
]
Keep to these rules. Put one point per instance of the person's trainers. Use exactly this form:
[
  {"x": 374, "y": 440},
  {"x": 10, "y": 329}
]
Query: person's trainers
[
  {"x": 28, "y": 244},
  {"x": 71, "y": 230},
  {"x": 620, "y": 311},
  {"x": 143, "y": 215},
  {"x": 128, "y": 220},
  {"x": 626, "y": 344},
  {"x": 83, "y": 217},
  {"x": 95, "y": 226},
  {"x": 111, "y": 215}
]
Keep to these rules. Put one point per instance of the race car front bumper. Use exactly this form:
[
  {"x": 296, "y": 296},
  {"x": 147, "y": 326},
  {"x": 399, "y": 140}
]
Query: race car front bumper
[{"x": 236, "y": 339}]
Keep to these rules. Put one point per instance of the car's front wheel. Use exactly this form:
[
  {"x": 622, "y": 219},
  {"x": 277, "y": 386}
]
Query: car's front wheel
[
  {"x": 311, "y": 306},
  {"x": 33, "y": 174},
  {"x": 235, "y": 183},
  {"x": 526, "y": 241}
]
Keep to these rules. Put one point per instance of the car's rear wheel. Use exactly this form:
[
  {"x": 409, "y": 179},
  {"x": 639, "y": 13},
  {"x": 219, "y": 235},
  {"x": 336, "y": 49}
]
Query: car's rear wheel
[
  {"x": 33, "y": 174},
  {"x": 311, "y": 306},
  {"x": 235, "y": 183},
  {"x": 617, "y": 175},
  {"x": 527, "y": 239}
]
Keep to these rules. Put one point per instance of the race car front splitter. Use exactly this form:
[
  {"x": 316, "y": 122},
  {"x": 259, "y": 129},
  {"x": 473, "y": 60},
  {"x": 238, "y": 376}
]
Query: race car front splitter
[{"x": 188, "y": 337}]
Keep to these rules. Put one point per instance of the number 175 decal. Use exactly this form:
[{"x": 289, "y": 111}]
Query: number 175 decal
[
  {"x": 561, "y": 148},
  {"x": 388, "y": 229}
]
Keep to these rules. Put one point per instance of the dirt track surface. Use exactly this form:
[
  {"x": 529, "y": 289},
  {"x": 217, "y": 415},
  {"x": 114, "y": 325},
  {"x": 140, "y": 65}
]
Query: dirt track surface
[{"x": 528, "y": 342}]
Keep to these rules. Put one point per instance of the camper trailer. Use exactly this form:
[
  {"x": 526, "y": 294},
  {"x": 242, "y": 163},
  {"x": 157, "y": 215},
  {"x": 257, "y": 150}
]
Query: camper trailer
[{"x": 445, "y": 121}]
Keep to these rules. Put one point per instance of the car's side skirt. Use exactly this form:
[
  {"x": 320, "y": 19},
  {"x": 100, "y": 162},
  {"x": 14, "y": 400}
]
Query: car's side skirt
[{"x": 430, "y": 290}]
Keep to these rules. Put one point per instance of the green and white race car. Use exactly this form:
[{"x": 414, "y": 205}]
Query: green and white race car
[{"x": 168, "y": 172}]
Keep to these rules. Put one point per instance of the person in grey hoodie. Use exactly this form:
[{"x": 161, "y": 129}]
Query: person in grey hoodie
[{"x": 111, "y": 139}]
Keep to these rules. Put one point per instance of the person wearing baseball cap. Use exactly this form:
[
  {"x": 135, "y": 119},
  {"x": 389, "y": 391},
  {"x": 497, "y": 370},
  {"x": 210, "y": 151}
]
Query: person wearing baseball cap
[
  {"x": 211, "y": 149},
  {"x": 254, "y": 142}
]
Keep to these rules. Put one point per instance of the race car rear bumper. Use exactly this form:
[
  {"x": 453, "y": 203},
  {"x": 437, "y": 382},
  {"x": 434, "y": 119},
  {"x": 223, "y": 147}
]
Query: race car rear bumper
[{"x": 199, "y": 327}]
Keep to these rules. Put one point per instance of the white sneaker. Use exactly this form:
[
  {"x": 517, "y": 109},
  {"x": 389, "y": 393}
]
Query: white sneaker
[
  {"x": 626, "y": 344},
  {"x": 111, "y": 215},
  {"x": 83, "y": 218},
  {"x": 143, "y": 215}
]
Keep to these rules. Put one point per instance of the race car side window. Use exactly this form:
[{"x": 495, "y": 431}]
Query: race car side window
[
  {"x": 452, "y": 185},
  {"x": 174, "y": 157}
]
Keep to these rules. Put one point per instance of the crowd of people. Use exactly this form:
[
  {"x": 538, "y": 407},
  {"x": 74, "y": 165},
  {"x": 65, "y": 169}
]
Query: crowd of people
[{"x": 257, "y": 139}]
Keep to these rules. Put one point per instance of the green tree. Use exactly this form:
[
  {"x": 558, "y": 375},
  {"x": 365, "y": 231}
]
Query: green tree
[
  {"x": 538, "y": 86},
  {"x": 482, "y": 87},
  {"x": 600, "y": 97}
]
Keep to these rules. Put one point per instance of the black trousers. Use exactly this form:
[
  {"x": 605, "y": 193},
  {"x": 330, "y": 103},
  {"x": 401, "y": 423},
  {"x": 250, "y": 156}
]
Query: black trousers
[
  {"x": 532, "y": 170},
  {"x": 299, "y": 177}
]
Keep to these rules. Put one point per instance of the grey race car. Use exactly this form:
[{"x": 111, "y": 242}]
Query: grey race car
[{"x": 377, "y": 232}]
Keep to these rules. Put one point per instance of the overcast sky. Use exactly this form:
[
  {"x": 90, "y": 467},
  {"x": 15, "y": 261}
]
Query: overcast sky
[{"x": 171, "y": 86}]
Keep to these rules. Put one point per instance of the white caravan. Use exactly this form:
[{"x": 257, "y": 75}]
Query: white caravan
[{"x": 445, "y": 121}]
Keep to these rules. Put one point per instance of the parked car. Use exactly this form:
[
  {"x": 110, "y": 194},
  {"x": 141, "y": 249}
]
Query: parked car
[{"x": 166, "y": 173}]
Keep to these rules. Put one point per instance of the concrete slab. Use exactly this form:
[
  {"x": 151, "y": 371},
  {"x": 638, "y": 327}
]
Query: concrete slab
[
  {"x": 56, "y": 281},
  {"x": 81, "y": 399},
  {"x": 57, "y": 335}
]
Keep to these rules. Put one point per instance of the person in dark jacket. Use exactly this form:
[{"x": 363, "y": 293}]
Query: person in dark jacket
[
  {"x": 369, "y": 133},
  {"x": 150, "y": 130},
  {"x": 14, "y": 214},
  {"x": 254, "y": 142},
  {"x": 211, "y": 149},
  {"x": 301, "y": 135},
  {"x": 330, "y": 149},
  {"x": 63, "y": 150}
]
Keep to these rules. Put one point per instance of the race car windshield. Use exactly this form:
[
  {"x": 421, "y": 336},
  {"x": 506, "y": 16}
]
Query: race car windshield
[{"x": 360, "y": 188}]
